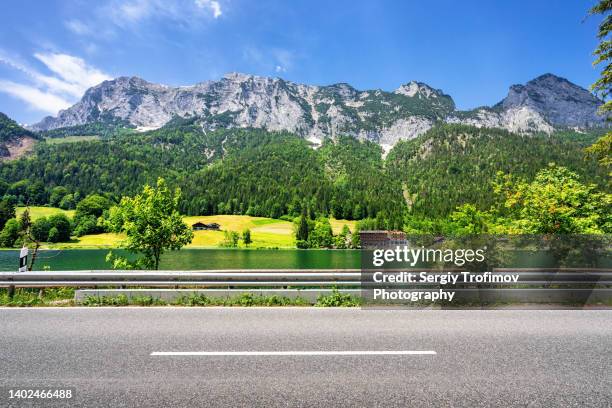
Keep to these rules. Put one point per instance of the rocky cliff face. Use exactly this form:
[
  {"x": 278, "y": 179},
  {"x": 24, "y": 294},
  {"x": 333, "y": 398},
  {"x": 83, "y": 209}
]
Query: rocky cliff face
[
  {"x": 316, "y": 112},
  {"x": 14, "y": 140},
  {"x": 559, "y": 101}
]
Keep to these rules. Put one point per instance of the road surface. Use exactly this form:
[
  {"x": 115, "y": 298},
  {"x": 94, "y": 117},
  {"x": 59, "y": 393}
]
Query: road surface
[{"x": 164, "y": 357}]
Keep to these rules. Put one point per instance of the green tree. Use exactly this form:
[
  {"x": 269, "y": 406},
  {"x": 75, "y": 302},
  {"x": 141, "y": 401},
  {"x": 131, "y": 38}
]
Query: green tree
[
  {"x": 54, "y": 235},
  {"x": 468, "y": 220},
  {"x": 556, "y": 202},
  {"x": 152, "y": 223},
  {"x": 230, "y": 239},
  {"x": 27, "y": 235},
  {"x": 7, "y": 211},
  {"x": 10, "y": 233},
  {"x": 343, "y": 240},
  {"x": 302, "y": 230},
  {"x": 67, "y": 202},
  {"x": 62, "y": 225},
  {"x": 57, "y": 194},
  {"x": 40, "y": 229},
  {"x": 87, "y": 213},
  {"x": 246, "y": 237},
  {"x": 602, "y": 149},
  {"x": 322, "y": 235}
]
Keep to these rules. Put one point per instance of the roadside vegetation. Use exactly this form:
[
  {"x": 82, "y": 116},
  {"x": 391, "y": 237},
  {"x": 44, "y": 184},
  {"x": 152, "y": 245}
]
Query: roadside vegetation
[{"x": 65, "y": 297}]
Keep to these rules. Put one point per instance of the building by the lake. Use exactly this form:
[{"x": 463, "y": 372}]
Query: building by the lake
[
  {"x": 200, "y": 226},
  {"x": 381, "y": 238}
]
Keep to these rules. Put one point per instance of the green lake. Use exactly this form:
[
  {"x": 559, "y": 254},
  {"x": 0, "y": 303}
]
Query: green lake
[{"x": 195, "y": 259}]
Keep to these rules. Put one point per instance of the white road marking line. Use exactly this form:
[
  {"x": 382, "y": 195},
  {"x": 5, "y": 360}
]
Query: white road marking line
[{"x": 296, "y": 353}]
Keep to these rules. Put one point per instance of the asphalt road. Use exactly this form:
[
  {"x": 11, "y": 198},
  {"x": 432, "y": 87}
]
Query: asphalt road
[{"x": 483, "y": 358}]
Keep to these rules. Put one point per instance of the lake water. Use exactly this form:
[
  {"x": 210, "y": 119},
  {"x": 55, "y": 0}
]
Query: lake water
[
  {"x": 201, "y": 259},
  {"x": 195, "y": 259}
]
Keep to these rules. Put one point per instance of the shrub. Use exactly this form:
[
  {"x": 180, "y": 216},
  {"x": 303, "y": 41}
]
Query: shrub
[{"x": 337, "y": 299}]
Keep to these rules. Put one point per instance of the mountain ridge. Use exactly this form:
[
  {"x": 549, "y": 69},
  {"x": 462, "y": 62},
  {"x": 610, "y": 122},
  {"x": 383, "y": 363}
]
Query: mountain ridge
[{"x": 238, "y": 100}]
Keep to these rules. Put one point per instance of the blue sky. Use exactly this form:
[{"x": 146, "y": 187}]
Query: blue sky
[{"x": 51, "y": 51}]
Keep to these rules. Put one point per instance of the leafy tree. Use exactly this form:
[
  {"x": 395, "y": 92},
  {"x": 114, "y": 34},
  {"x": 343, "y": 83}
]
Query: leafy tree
[
  {"x": 152, "y": 223},
  {"x": 10, "y": 233},
  {"x": 603, "y": 53},
  {"x": 322, "y": 235},
  {"x": 57, "y": 195},
  {"x": 556, "y": 202},
  {"x": 301, "y": 233},
  {"x": 28, "y": 238},
  {"x": 468, "y": 220},
  {"x": 7, "y": 211},
  {"x": 54, "y": 235},
  {"x": 62, "y": 226},
  {"x": 246, "y": 237},
  {"x": 67, "y": 202},
  {"x": 230, "y": 239},
  {"x": 40, "y": 229},
  {"x": 87, "y": 213},
  {"x": 343, "y": 240},
  {"x": 87, "y": 225},
  {"x": 602, "y": 149},
  {"x": 93, "y": 204}
]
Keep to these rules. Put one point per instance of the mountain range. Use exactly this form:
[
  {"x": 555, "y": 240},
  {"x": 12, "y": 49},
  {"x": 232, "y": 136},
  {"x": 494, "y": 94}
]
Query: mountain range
[{"x": 544, "y": 104}]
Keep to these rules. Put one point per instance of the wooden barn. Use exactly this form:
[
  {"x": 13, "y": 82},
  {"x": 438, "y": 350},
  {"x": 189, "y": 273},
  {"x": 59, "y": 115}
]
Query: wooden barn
[{"x": 200, "y": 226}]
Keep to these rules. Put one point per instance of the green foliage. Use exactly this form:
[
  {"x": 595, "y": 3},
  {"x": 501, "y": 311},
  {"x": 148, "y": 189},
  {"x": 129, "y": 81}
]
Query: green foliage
[
  {"x": 151, "y": 222},
  {"x": 321, "y": 236},
  {"x": 54, "y": 235},
  {"x": 230, "y": 239},
  {"x": 556, "y": 202},
  {"x": 337, "y": 299},
  {"x": 107, "y": 128},
  {"x": 602, "y": 150},
  {"x": 468, "y": 220},
  {"x": 7, "y": 211},
  {"x": 24, "y": 297},
  {"x": 246, "y": 237},
  {"x": 452, "y": 165},
  {"x": 343, "y": 240},
  {"x": 61, "y": 227},
  {"x": 88, "y": 213},
  {"x": 603, "y": 53},
  {"x": 57, "y": 195},
  {"x": 40, "y": 229},
  {"x": 10, "y": 233}
]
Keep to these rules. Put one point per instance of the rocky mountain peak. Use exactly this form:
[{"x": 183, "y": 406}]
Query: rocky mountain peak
[
  {"x": 420, "y": 89},
  {"x": 318, "y": 112},
  {"x": 559, "y": 101}
]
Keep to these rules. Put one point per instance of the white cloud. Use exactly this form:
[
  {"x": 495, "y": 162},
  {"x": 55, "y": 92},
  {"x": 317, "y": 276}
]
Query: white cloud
[
  {"x": 72, "y": 70},
  {"x": 78, "y": 27},
  {"x": 126, "y": 13},
  {"x": 34, "y": 97},
  {"x": 213, "y": 5},
  {"x": 70, "y": 78}
]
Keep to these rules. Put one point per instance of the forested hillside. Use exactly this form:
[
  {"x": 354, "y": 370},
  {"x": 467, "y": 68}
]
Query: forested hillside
[
  {"x": 271, "y": 174},
  {"x": 455, "y": 164}
]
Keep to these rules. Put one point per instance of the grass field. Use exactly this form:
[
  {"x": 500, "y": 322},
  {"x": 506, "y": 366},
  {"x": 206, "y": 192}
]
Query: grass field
[
  {"x": 265, "y": 232},
  {"x": 37, "y": 212}
]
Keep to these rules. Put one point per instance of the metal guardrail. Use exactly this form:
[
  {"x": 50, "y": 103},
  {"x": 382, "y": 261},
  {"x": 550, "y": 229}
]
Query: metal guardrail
[
  {"x": 209, "y": 278},
  {"x": 281, "y": 278}
]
